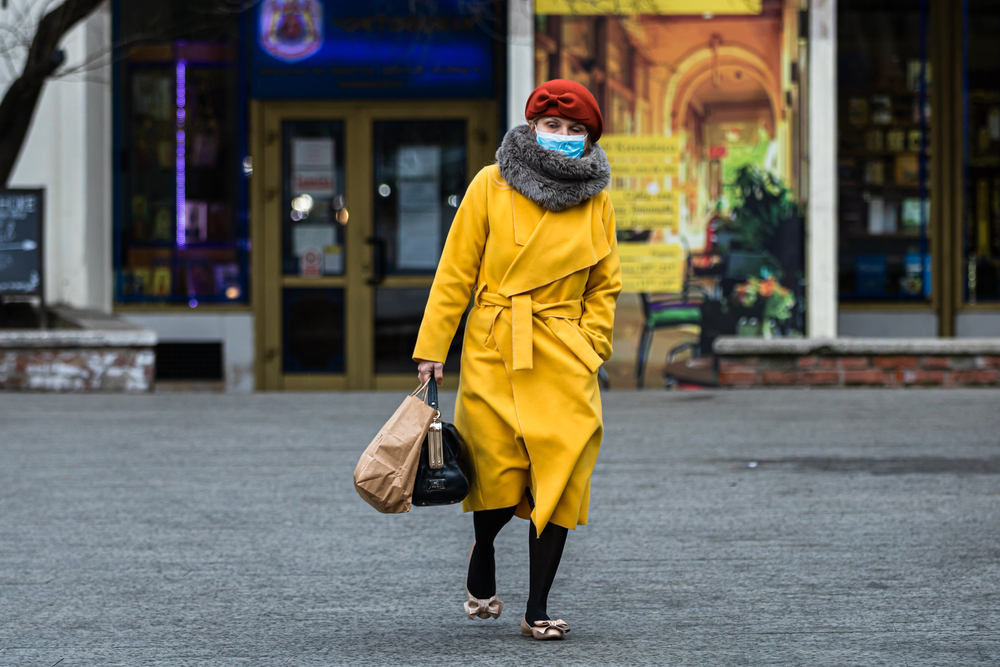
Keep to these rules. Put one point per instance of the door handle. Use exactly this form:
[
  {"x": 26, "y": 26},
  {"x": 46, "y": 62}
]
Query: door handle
[{"x": 378, "y": 275}]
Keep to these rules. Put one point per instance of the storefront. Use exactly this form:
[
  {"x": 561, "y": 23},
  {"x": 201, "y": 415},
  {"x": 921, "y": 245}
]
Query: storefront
[
  {"x": 284, "y": 178},
  {"x": 878, "y": 123},
  {"x": 287, "y": 178}
]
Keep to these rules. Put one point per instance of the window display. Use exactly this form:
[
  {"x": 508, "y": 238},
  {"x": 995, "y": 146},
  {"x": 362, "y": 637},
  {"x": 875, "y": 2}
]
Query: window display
[
  {"x": 180, "y": 236},
  {"x": 884, "y": 79},
  {"x": 702, "y": 133}
]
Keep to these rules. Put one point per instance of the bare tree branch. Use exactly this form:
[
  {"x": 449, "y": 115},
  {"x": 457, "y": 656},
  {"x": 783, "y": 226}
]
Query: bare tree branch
[{"x": 43, "y": 58}]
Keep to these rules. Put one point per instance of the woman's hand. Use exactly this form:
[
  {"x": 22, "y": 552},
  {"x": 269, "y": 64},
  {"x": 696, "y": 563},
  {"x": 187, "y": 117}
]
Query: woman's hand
[{"x": 427, "y": 368}]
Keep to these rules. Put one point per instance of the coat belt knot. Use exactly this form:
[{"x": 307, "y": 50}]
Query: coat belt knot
[{"x": 555, "y": 316}]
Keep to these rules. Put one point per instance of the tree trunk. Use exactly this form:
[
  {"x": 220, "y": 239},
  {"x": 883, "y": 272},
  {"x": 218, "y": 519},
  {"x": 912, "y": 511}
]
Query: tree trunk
[{"x": 44, "y": 57}]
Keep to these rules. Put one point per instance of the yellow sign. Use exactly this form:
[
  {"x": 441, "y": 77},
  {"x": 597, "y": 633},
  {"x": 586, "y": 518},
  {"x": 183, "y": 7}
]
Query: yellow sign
[
  {"x": 638, "y": 157},
  {"x": 638, "y": 210},
  {"x": 626, "y": 7},
  {"x": 625, "y": 147},
  {"x": 652, "y": 267},
  {"x": 644, "y": 169}
]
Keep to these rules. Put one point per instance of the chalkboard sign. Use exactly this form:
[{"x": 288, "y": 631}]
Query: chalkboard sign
[{"x": 21, "y": 260}]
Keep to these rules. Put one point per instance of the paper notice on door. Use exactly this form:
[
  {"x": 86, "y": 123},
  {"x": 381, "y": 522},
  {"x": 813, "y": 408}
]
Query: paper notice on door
[
  {"x": 420, "y": 162},
  {"x": 313, "y": 170},
  {"x": 311, "y": 263},
  {"x": 312, "y": 154},
  {"x": 311, "y": 236},
  {"x": 314, "y": 184},
  {"x": 418, "y": 196},
  {"x": 419, "y": 224}
]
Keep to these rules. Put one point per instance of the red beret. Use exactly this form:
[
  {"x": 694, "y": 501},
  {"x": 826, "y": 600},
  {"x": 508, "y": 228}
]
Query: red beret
[{"x": 567, "y": 99}]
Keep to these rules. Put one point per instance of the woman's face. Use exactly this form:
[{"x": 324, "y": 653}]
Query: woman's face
[{"x": 558, "y": 125}]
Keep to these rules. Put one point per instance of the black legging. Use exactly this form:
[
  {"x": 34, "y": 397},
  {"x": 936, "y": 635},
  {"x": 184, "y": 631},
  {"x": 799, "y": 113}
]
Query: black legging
[{"x": 544, "y": 554}]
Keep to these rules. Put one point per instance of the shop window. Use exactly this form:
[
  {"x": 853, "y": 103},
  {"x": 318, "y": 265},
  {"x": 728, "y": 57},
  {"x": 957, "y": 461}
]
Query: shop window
[
  {"x": 884, "y": 78},
  {"x": 180, "y": 225},
  {"x": 982, "y": 151}
]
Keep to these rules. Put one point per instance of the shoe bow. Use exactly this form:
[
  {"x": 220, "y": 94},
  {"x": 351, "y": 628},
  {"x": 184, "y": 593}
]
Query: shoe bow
[
  {"x": 557, "y": 624},
  {"x": 483, "y": 608}
]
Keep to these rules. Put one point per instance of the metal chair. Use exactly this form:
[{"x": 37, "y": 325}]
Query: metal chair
[{"x": 662, "y": 311}]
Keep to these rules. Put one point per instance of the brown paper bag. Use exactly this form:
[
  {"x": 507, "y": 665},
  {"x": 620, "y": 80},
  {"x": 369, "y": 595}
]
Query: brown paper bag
[{"x": 384, "y": 475}]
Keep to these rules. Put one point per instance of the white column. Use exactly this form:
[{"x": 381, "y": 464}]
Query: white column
[
  {"x": 63, "y": 177},
  {"x": 821, "y": 212},
  {"x": 97, "y": 155},
  {"x": 68, "y": 152},
  {"x": 520, "y": 58}
]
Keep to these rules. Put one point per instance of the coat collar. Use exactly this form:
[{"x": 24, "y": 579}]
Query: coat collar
[{"x": 560, "y": 244}]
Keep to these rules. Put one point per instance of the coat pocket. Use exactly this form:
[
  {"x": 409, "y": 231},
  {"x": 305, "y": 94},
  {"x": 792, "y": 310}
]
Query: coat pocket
[{"x": 569, "y": 333}]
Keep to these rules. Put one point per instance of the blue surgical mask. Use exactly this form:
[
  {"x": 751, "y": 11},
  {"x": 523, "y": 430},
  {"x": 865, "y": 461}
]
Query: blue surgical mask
[{"x": 570, "y": 145}]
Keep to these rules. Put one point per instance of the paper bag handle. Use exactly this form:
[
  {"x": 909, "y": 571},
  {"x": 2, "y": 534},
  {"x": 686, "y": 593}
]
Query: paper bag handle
[{"x": 421, "y": 391}]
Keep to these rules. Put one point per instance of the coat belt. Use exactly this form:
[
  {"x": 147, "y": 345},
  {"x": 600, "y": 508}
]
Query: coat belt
[{"x": 555, "y": 316}]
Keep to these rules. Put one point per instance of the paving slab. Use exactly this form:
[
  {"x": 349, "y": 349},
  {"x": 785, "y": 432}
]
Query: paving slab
[{"x": 727, "y": 528}]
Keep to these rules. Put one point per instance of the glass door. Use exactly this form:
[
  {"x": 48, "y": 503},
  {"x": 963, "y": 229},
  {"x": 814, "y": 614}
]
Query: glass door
[
  {"x": 420, "y": 171},
  {"x": 355, "y": 203}
]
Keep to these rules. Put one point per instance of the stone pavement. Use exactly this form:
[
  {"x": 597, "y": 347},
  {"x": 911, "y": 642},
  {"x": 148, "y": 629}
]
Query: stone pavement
[{"x": 731, "y": 528}]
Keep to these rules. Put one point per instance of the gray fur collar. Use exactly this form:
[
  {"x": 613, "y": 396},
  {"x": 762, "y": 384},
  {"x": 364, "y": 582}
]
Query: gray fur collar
[{"x": 548, "y": 178}]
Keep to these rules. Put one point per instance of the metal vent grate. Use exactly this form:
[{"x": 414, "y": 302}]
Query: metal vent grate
[{"x": 189, "y": 361}]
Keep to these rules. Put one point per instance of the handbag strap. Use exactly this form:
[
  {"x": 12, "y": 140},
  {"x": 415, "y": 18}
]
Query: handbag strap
[{"x": 432, "y": 394}]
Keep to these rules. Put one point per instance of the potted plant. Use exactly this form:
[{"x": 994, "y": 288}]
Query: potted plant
[{"x": 774, "y": 299}]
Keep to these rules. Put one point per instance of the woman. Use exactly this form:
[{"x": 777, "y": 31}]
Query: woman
[{"x": 534, "y": 244}]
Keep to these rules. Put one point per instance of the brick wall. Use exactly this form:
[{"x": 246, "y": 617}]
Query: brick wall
[
  {"x": 860, "y": 371},
  {"x": 77, "y": 369}
]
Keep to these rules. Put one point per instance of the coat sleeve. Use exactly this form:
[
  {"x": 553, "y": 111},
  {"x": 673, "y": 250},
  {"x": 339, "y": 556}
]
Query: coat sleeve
[
  {"x": 456, "y": 274},
  {"x": 603, "y": 287}
]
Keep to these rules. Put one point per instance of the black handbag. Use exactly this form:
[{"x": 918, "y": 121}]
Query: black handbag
[{"x": 439, "y": 479}]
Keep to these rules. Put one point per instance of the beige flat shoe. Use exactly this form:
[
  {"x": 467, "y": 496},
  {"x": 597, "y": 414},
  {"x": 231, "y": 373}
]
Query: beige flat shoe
[
  {"x": 543, "y": 630},
  {"x": 477, "y": 608}
]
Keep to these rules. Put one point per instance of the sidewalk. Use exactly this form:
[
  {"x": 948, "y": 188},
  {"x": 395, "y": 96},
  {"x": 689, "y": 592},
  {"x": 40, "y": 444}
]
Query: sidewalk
[{"x": 731, "y": 528}]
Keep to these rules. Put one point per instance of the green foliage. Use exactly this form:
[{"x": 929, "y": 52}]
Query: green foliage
[
  {"x": 765, "y": 204},
  {"x": 741, "y": 155}
]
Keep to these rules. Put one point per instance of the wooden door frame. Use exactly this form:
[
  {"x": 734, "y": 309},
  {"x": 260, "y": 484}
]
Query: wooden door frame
[
  {"x": 267, "y": 281},
  {"x": 961, "y": 229}
]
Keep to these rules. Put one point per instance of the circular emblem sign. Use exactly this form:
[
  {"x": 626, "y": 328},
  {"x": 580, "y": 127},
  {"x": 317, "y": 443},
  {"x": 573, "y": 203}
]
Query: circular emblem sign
[{"x": 291, "y": 30}]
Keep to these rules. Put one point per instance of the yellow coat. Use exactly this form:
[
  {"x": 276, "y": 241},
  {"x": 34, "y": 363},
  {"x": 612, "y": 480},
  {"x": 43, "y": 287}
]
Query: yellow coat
[{"x": 545, "y": 286}]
